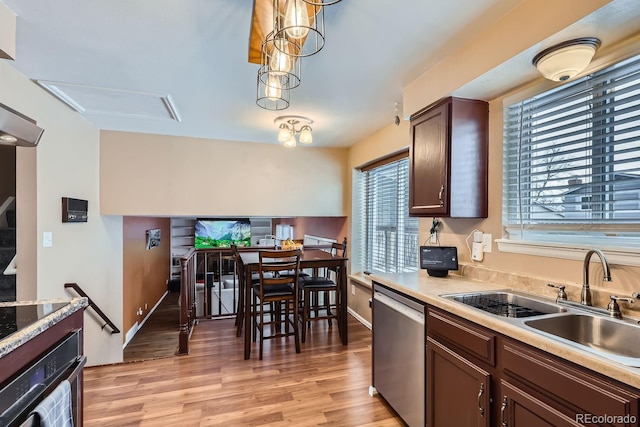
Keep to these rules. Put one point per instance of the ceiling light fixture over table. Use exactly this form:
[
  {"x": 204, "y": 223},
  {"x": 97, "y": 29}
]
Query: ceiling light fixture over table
[
  {"x": 301, "y": 21},
  {"x": 289, "y": 126},
  {"x": 279, "y": 72},
  {"x": 294, "y": 29}
]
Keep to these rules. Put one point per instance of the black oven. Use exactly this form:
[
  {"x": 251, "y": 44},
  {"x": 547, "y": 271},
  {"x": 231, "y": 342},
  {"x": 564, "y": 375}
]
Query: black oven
[{"x": 20, "y": 395}]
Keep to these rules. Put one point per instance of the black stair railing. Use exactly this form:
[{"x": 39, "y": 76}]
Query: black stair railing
[{"x": 99, "y": 312}]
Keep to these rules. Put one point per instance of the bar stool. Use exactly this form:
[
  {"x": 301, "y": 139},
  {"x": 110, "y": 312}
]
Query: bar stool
[
  {"x": 280, "y": 293},
  {"x": 313, "y": 287}
]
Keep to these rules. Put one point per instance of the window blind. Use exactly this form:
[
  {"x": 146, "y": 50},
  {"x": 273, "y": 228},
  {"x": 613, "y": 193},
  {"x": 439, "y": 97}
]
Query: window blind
[
  {"x": 572, "y": 157},
  {"x": 388, "y": 237}
]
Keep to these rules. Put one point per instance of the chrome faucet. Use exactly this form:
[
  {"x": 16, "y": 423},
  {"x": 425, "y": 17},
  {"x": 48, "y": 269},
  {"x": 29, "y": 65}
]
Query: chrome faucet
[{"x": 585, "y": 298}]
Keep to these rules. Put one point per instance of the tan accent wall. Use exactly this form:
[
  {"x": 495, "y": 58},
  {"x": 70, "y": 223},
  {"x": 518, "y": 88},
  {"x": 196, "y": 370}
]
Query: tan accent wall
[
  {"x": 524, "y": 26},
  {"x": 65, "y": 163},
  {"x": 145, "y": 271},
  {"x": 142, "y": 174}
]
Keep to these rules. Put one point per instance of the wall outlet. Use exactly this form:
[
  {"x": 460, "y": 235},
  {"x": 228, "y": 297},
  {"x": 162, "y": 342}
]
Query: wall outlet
[
  {"x": 146, "y": 305},
  {"x": 486, "y": 242},
  {"x": 353, "y": 289}
]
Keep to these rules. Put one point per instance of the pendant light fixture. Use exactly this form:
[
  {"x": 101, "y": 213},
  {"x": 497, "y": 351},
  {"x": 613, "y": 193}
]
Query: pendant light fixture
[
  {"x": 322, "y": 2},
  {"x": 289, "y": 126},
  {"x": 279, "y": 58},
  {"x": 279, "y": 72},
  {"x": 567, "y": 59},
  {"x": 273, "y": 91},
  {"x": 300, "y": 21}
]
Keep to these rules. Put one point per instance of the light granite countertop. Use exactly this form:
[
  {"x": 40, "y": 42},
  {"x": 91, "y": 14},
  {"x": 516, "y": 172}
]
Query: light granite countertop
[
  {"x": 16, "y": 339},
  {"x": 428, "y": 289}
]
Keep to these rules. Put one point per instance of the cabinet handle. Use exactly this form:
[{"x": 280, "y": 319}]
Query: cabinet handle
[
  {"x": 502, "y": 409},
  {"x": 440, "y": 195},
  {"x": 480, "y": 393}
]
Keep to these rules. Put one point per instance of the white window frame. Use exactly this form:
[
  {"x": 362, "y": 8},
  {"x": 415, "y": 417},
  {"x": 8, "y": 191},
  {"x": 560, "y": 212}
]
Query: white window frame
[
  {"x": 362, "y": 234},
  {"x": 624, "y": 249}
]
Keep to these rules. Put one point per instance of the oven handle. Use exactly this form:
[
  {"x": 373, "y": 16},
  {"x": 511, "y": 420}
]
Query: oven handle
[{"x": 30, "y": 398}]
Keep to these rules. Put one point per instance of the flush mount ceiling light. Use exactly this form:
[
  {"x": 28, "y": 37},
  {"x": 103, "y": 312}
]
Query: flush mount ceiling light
[
  {"x": 565, "y": 60},
  {"x": 289, "y": 126}
]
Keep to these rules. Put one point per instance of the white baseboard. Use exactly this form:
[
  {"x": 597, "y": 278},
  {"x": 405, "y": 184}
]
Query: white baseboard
[
  {"x": 359, "y": 318},
  {"x": 136, "y": 327},
  {"x": 130, "y": 334}
]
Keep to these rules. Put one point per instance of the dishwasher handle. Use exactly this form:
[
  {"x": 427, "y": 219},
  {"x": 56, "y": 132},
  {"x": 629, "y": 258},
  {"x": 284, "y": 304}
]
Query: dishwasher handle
[{"x": 397, "y": 306}]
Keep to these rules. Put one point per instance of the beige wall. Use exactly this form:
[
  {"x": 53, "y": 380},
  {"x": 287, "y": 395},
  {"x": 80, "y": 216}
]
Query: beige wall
[
  {"x": 65, "y": 163},
  {"x": 142, "y": 174},
  {"x": 529, "y": 23},
  {"x": 448, "y": 76}
]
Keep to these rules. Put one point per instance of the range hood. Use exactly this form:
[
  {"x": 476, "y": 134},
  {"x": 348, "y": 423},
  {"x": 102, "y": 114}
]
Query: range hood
[{"x": 18, "y": 129}]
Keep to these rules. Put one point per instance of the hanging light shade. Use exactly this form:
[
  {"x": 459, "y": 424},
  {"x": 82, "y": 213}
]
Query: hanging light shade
[
  {"x": 285, "y": 134},
  {"x": 322, "y": 2},
  {"x": 279, "y": 58},
  {"x": 567, "y": 59},
  {"x": 273, "y": 91},
  {"x": 305, "y": 135},
  {"x": 299, "y": 21}
]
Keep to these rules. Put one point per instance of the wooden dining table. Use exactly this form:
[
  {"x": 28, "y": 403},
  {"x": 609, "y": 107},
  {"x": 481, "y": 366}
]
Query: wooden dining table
[{"x": 311, "y": 259}]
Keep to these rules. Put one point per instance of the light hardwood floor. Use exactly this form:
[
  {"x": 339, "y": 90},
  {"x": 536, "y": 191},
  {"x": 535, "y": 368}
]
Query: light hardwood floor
[{"x": 325, "y": 385}]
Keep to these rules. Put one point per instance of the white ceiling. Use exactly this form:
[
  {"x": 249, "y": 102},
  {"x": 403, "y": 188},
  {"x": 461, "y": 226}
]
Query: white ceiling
[{"x": 193, "y": 55}]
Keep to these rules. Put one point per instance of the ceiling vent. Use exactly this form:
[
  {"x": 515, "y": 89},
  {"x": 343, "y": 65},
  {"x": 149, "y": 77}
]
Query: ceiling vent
[
  {"x": 90, "y": 100},
  {"x": 18, "y": 129}
]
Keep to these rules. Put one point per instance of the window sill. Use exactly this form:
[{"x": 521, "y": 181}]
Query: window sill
[
  {"x": 361, "y": 279},
  {"x": 619, "y": 256}
]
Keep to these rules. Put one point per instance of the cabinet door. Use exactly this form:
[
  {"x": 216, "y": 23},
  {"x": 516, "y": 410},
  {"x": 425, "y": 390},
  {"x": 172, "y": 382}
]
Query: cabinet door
[
  {"x": 429, "y": 171},
  {"x": 458, "y": 392},
  {"x": 520, "y": 409}
]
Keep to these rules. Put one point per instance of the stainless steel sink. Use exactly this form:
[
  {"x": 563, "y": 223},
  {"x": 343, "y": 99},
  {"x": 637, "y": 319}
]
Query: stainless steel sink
[
  {"x": 613, "y": 339},
  {"x": 507, "y": 303}
]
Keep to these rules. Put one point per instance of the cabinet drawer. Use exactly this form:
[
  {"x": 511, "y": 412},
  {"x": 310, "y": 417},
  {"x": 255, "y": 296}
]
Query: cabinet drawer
[
  {"x": 465, "y": 336},
  {"x": 578, "y": 390}
]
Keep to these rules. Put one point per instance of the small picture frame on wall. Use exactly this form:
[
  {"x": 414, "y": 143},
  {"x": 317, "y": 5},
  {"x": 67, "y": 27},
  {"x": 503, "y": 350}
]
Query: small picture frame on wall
[{"x": 153, "y": 238}]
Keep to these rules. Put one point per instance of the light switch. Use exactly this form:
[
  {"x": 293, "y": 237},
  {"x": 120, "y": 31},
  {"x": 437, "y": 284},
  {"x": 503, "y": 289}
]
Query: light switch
[{"x": 47, "y": 239}]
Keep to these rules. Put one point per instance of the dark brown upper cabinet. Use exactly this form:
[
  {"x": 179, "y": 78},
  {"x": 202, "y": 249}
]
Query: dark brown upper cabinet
[{"x": 449, "y": 159}]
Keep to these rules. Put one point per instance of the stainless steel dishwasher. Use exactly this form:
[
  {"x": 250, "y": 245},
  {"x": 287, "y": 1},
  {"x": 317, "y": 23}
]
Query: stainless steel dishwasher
[{"x": 399, "y": 353}]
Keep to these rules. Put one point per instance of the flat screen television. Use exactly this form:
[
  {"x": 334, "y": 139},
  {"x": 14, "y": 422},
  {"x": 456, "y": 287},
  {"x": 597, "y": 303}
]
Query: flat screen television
[{"x": 222, "y": 233}]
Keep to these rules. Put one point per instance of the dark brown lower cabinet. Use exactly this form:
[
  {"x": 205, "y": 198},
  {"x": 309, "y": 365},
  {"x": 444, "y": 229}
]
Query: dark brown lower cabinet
[
  {"x": 458, "y": 392},
  {"x": 519, "y": 409},
  {"x": 477, "y": 377}
]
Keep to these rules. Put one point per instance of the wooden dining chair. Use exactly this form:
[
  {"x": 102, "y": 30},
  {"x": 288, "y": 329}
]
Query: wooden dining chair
[
  {"x": 279, "y": 293},
  {"x": 324, "y": 285}
]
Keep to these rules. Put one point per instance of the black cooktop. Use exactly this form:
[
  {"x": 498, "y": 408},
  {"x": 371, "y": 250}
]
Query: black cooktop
[
  {"x": 499, "y": 305},
  {"x": 15, "y": 318}
]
